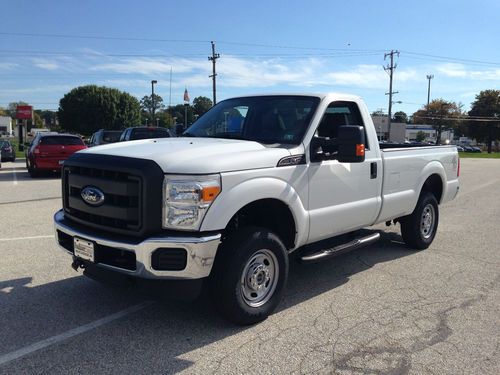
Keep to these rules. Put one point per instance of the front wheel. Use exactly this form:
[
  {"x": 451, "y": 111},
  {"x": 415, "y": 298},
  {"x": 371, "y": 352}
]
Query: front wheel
[
  {"x": 249, "y": 275},
  {"x": 419, "y": 229}
]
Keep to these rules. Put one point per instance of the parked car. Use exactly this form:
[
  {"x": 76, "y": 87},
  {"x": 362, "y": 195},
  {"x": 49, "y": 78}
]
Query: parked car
[
  {"x": 460, "y": 149},
  {"x": 144, "y": 132},
  {"x": 48, "y": 152},
  {"x": 468, "y": 149},
  {"x": 102, "y": 137},
  {"x": 302, "y": 174},
  {"x": 475, "y": 149},
  {"x": 7, "y": 150}
]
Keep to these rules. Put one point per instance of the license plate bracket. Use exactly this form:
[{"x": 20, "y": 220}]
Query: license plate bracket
[{"x": 83, "y": 249}]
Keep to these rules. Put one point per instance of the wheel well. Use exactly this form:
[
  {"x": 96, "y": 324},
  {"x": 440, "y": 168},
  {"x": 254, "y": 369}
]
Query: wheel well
[
  {"x": 434, "y": 185},
  {"x": 272, "y": 214}
]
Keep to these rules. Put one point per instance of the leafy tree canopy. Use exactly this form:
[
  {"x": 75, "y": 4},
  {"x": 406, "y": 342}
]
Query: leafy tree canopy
[
  {"x": 400, "y": 116},
  {"x": 441, "y": 114},
  {"x": 86, "y": 109},
  {"x": 201, "y": 104},
  {"x": 487, "y": 104},
  {"x": 147, "y": 104}
]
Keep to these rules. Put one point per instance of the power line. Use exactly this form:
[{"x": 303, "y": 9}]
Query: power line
[
  {"x": 448, "y": 58},
  {"x": 68, "y": 36}
]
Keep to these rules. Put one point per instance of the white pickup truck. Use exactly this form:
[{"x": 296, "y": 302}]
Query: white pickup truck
[{"x": 253, "y": 180}]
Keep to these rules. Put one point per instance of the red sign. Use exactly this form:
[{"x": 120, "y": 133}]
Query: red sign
[{"x": 24, "y": 112}]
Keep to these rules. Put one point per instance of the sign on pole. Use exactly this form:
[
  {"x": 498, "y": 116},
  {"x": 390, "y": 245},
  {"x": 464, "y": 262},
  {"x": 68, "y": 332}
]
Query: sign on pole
[{"x": 24, "y": 112}]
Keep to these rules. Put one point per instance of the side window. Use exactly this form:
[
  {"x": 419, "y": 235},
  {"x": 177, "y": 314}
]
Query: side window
[{"x": 338, "y": 114}]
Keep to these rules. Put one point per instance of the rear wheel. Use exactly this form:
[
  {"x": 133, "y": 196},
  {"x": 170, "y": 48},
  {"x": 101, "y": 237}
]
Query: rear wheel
[
  {"x": 419, "y": 229},
  {"x": 32, "y": 171},
  {"x": 249, "y": 275}
]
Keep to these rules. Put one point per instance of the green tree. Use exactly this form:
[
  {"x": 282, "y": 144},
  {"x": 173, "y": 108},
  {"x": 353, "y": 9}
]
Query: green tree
[
  {"x": 441, "y": 114},
  {"x": 48, "y": 118},
  {"x": 86, "y": 109},
  {"x": 400, "y": 116},
  {"x": 201, "y": 104},
  {"x": 487, "y": 104},
  {"x": 147, "y": 106},
  {"x": 378, "y": 112},
  {"x": 420, "y": 136},
  {"x": 178, "y": 112}
]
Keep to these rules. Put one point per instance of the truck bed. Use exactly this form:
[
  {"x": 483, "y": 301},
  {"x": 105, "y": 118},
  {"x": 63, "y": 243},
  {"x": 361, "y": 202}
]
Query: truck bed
[{"x": 405, "y": 170}]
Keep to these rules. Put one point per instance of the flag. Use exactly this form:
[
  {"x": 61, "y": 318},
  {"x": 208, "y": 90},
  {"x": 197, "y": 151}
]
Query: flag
[{"x": 186, "y": 95}]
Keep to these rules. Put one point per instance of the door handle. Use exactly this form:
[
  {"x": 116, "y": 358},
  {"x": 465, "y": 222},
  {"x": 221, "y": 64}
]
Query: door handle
[{"x": 373, "y": 170}]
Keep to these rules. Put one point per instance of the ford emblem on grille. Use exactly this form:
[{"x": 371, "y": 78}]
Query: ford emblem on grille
[{"x": 92, "y": 196}]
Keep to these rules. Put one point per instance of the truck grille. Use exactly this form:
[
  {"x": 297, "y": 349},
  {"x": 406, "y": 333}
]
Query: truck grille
[{"x": 130, "y": 186}]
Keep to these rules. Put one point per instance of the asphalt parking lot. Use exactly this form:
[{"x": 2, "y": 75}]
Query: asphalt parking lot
[{"x": 381, "y": 309}]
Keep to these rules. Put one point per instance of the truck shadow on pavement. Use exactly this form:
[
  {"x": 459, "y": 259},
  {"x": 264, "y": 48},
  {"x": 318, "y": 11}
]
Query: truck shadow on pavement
[{"x": 161, "y": 338}]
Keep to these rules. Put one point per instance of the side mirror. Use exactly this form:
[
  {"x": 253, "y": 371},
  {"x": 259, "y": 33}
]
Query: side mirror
[{"x": 351, "y": 144}]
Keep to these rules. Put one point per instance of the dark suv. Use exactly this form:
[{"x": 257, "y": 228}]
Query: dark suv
[{"x": 143, "y": 132}]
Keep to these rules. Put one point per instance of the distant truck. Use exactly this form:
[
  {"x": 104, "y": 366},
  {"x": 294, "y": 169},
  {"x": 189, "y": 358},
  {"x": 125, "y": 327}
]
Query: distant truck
[{"x": 254, "y": 180}]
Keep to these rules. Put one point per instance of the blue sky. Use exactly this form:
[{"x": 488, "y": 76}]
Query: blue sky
[{"x": 49, "y": 47}]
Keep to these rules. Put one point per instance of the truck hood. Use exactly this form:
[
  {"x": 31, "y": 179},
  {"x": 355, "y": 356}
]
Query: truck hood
[{"x": 196, "y": 155}]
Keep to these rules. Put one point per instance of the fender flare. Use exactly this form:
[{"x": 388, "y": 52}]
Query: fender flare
[
  {"x": 240, "y": 195},
  {"x": 432, "y": 168}
]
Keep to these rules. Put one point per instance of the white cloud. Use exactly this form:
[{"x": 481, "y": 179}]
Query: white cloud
[
  {"x": 461, "y": 71},
  {"x": 46, "y": 64},
  {"x": 8, "y": 66},
  {"x": 148, "y": 66}
]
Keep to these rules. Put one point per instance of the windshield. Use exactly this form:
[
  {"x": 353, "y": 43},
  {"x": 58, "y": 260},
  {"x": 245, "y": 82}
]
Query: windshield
[{"x": 265, "y": 119}]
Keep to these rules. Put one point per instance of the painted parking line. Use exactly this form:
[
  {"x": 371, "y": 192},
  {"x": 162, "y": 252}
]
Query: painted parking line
[
  {"x": 14, "y": 177},
  {"x": 5, "y": 358},
  {"x": 26, "y": 238}
]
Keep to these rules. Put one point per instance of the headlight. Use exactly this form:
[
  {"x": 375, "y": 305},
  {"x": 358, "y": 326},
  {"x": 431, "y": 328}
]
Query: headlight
[{"x": 186, "y": 199}]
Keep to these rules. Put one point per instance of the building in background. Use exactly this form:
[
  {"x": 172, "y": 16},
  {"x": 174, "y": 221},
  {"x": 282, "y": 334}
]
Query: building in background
[
  {"x": 430, "y": 133},
  {"x": 398, "y": 129},
  {"x": 5, "y": 126}
]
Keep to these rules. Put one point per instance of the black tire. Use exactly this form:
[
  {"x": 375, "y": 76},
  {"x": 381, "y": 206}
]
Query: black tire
[
  {"x": 32, "y": 172},
  {"x": 419, "y": 229},
  {"x": 245, "y": 252}
]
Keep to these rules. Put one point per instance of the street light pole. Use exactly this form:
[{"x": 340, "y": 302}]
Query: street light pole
[
  {"x": 153, "y": 100},
  {"x": 429, "y": 77}
]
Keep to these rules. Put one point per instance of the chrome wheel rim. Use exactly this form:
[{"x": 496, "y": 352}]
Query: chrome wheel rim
[
  {"x": 427, "y": 221},
  {"x": 259, "y": 278}
]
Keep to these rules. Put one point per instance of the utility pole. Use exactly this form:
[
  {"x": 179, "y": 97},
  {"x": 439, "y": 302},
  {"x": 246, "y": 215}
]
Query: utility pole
[
  {"x": 213, "y": 59},
  {"x": 429, "y": 77},
  {"x": 153, "y": 101},
  {"x": 390, "y": 68}
]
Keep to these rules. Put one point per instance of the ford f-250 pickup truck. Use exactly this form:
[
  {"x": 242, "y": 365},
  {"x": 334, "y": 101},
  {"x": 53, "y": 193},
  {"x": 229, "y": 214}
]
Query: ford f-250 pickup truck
[{"x": 253, "y": 180}]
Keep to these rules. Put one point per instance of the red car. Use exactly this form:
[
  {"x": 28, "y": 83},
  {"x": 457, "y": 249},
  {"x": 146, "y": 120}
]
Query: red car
[{"x": 48, "y": 152}]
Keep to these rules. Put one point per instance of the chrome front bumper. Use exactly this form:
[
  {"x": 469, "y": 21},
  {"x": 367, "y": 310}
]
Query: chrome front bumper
[{"x": 200, "y": 251}]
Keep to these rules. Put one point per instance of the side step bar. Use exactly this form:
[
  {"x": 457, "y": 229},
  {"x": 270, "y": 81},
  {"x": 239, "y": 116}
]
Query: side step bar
[{"x": 343, "y": 248}]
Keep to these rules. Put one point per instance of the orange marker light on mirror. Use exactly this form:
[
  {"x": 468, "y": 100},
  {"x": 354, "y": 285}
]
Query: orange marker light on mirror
[{"x": 360, "y": 150}]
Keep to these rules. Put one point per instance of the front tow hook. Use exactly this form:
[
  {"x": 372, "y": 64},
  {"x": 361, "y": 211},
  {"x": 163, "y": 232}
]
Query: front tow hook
[{"x": 77, "y": 263}]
